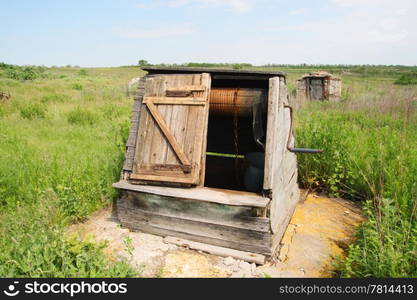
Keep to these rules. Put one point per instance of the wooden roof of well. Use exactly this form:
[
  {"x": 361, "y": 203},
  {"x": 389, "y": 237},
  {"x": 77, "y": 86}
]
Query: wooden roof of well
[
  {"x": 319, "y": 74},
  {"x": 215, "y": 72}
]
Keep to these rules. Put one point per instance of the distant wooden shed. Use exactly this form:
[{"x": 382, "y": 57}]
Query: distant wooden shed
[
  {"x": 319, "y": 86},
  {"x": 208, "y": 158}
]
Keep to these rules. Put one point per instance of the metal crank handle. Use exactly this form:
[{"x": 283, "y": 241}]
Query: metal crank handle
[{"x": 298, "y": 150}]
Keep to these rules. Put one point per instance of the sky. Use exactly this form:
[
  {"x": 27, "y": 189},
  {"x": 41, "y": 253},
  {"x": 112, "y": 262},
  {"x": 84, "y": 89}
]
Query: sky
[{"x": 98, "y": 33}]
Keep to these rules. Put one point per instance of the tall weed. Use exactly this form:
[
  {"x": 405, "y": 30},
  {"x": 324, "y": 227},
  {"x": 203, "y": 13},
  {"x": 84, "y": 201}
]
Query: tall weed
[
  {"x": 80, "y": 116},
  {"x": 370, "y": 153},
  {"x": 33, "y": 111},
  {"x": 54, "y": 171}
]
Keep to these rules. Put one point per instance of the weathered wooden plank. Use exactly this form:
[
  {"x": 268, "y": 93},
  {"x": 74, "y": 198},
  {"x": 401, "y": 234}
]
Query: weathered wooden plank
[
  {"x": 127, "y": 165},
  {"x": 190, "y": 88},
  {"x": 137, "y": 102},
  {"x": 216, "y": 250},
  {"x": 289, "y": 166},
  {"x": 257, "y": 248},
  {"x": 241, "y": 77},
  {"x": 196, "y": 123},
  {"x": 213, "y": 228},
  {"x": 234, "y": 216},
  {"x": 176, "y": 123},
  {"x": 215, "y": 71},
  {"x": 143, "y": 147},
  {"x": 206, "y": 81},
  {"x": 175, "y": 100},
  {"x": 171, "y": 167},
  {"x": 293, "y": 194},
  {"x": 284, "y": 170},
  {"x": 183, "y": 94},
  {"x": 162, "y": 178},
  {"x": 271, "y": 132},
  {"x": 163, "y": 126},
  {"x": 240, "y": 216},
  {"x": 160, "y": 144},
  {"x": 158, "y": 141},
  {"x": 130, "y": 152},
  {"x": 193, "y": 229},
  {"x": 131, "y": 142},
  {"x": 227, "y": 197},
  {"x": 165, "y": 149},
  {"x": 135, "y": 117}
]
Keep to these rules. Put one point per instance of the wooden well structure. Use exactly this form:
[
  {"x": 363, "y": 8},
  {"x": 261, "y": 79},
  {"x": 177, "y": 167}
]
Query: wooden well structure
[
  {"x": 208, "y": 158},
  {"x": 319, "y": 86}
]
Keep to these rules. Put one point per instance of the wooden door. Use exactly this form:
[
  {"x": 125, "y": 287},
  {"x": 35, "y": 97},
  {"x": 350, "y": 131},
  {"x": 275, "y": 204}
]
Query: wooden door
[
  {"x": 316, "y": 89},
  {"x": 173, "y": 129}
]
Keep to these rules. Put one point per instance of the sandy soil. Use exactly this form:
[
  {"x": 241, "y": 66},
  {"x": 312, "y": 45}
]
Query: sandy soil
[{"x": 317, "y": 235}]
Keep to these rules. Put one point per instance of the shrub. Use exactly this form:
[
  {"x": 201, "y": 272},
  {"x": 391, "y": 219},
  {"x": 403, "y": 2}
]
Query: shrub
[
  {"x": 81, "y": 116},
  {"x": 407, "y": 79},
  {"x": 143, "y": 63},
  {"x": 48, "y": 252},
  {"x": 386, "y": 246},
  {"x": 82, "y": 72},
  {"x": 24, "y": 73},
  {"x": 54, "y": 98},
  {"x": 77, "y": 86},
  {"x": 33, "y": 111}
]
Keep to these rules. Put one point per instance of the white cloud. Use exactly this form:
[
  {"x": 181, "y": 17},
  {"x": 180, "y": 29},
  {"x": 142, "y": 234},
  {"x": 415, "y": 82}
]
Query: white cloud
[
  {"x": 238, "y": 6},
  {"x": 388, "y": 37},
  {"x": 341, "y": 31},
  {"x": 376, "y": 4},
  {"x": 354, "y": 31},
  {"x": 298, "y": 12},
  {"x": 350, "y": 3},
  {"x": 362, "y": 23},
  {"x": 154, "y": 33}
]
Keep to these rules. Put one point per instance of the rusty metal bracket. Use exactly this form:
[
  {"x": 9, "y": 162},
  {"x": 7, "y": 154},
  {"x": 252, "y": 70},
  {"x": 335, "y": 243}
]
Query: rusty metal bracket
[{"x": 297, "y": 150}]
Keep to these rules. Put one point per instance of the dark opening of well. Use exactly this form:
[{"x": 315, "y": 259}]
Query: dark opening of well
[{"x": 231, "y": 146}]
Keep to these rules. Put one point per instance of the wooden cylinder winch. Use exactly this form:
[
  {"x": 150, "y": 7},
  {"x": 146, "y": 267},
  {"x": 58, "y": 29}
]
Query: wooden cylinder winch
[{"x": 239, "y": 101}]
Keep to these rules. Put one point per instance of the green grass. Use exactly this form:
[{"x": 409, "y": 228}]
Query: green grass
[
  {"x": 370, "y": 145},
  {"x": 23, "y": 72},
  {"x": 60, "y": 153},
  {"x": 33, "y": 111},
  {"x": 407, "y": 79},
  {"x": 62, "y": 138}
]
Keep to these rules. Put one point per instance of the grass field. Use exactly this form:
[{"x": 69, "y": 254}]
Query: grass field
[
  {"x": 62, "y": 143},
  {"x": 62, "y": 136},
  {"x": 370, "y": 144}
]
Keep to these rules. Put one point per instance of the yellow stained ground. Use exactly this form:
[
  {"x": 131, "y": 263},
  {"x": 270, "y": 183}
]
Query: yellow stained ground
[{"x": 318, "y": 234}]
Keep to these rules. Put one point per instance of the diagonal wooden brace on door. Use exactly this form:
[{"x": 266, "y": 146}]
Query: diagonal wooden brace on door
[{"x": 167, "y": 133}]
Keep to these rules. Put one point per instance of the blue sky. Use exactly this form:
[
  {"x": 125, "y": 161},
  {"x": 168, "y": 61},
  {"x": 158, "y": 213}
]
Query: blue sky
[{"x": 113, "y": 33}]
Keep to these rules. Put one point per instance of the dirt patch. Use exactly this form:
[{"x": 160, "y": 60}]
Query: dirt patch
[
  {"x": 318, "y": 232},
  {"x": 317, "y": 235},
  {"x": 188, "y": 263}
]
